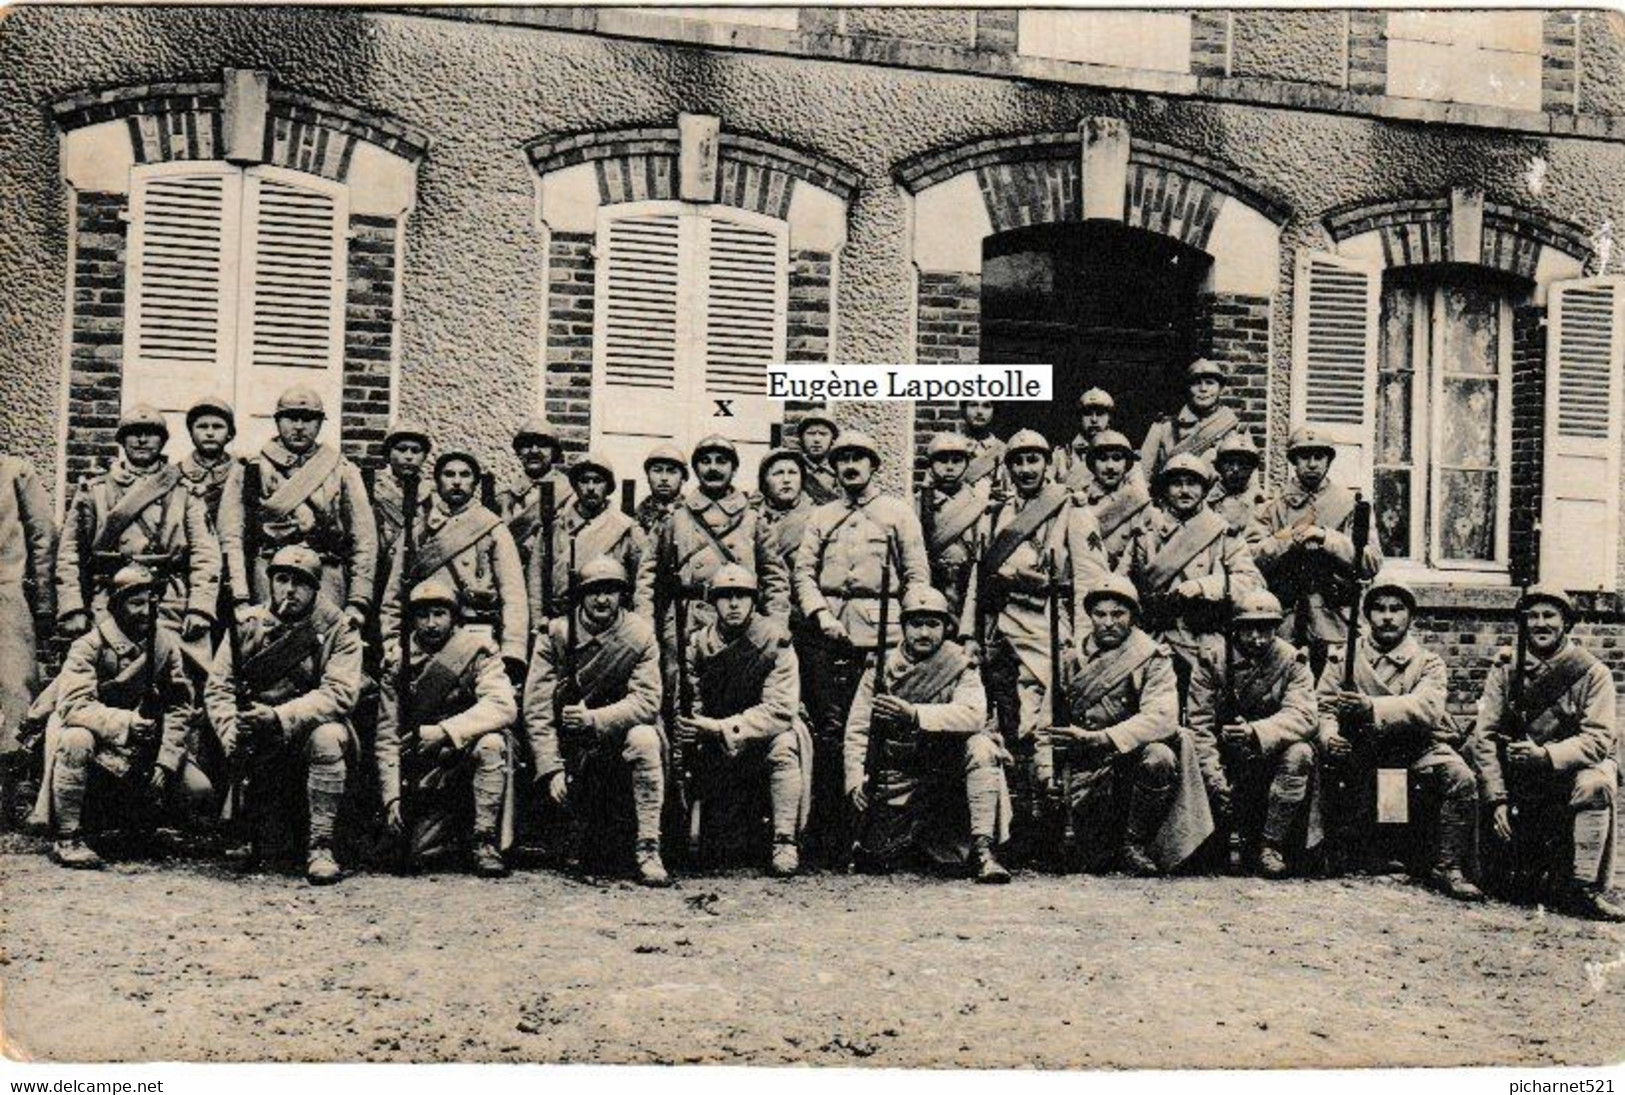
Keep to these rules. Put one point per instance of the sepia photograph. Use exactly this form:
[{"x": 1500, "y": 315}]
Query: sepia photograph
[{"x": 882, "y": 537}]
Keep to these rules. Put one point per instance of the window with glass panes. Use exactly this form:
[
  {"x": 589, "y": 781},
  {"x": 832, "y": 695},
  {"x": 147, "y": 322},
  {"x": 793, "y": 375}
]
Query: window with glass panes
[{"x": 1443, "y": 419}]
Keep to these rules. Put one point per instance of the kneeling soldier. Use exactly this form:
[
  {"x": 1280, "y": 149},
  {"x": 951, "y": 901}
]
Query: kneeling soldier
[
  {"x": 1395, "y": 717},
  {"x": 460, "y": 708},
  {"x": 591, "y": 705},
  {"x": 1124, "y": 768},
  {"x": 921, "y": 746},
  {"x": 748, "y": 690},
  {"x": 1252, "y": 712},
  {"x": 122, "y": 701},
  {"x": 301, "y": 674},
  {"x": 1547, "y": 743}
]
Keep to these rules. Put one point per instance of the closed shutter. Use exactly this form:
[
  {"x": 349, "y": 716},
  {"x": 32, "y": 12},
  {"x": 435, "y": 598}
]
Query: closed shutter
[
  {"x": 1585, "y": 351},
  {"x": 293, "y": 283},
  {"x": 180, "y": 321},
  {"x": 1334, "y": 357},
  {"x": 745, "y": 304}
]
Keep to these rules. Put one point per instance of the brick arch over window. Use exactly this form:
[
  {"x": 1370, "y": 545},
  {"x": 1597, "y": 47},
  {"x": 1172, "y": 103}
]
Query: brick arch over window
[
  {"x": 1462, "y": 227},
  {"x": 695, "y": 161},
  {"x": 242, "y": 119},
  {"x": 966, "y": 193}
]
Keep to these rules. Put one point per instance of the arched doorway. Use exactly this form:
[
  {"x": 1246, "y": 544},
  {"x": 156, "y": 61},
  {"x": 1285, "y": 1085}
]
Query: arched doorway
[{"x": 1107, "y": 305}]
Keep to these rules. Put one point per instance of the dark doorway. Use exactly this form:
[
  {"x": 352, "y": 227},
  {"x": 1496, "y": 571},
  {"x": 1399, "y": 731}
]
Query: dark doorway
[{"x": 1107, "y": 305}]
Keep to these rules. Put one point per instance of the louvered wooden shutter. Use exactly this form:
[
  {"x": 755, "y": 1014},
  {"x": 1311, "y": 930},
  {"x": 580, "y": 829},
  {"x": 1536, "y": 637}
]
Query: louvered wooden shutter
[
  {"x": 293, "y": 284},
  {"x": 746, "y": 284},
  {"x": 1585, "y": 352},
  {"x": 1334, "y": 357},
  {"x": 180, "y": 323}
]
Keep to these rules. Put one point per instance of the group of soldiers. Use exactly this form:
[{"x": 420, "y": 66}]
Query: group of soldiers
[{"x": 1090, "y": 656}]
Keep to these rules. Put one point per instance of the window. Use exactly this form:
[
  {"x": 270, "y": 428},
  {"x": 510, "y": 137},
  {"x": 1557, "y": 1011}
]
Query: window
[
  {"x": 237, "y": 282},
  {"x": 1443, "y": 421},
  {"x": 1160, "y": 41},
  {"x": 690, "y": 312},
  {"x": 1492, "y": 58}
]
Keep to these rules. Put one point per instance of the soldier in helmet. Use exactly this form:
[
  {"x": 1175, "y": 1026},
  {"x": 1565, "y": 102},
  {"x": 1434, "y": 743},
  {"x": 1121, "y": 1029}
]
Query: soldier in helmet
[
  {"x": 745, "y": 731},
  {"x": 406, "y": 450},
  {"x": 1252, "y": 713},
  {"x": 1201, "y": 423},
  {"x": 951, "y": 514},
  {"x": 1307, "y": 553},
  {"x": 27, "y": 601},
  {"x": 986, "y": 472},
  {"x": 1395, "y": 717},
  {"x": 591, "y": 711},
  {"x": 1041, "y": 544},
  {"x": 838, "y": 571},
  {"x": 816, "y": 434},
  {"x": 1238, "y": 498},
  {"x": 1123, "y": 766},
  {"x": 1069, "y": 466},
  {"x": 310, "y": 495},
  {"x": 520, "y": 503},
  {"x": 590, "y": 527},
  {"x": 116, "y": 721},
  {"x": 665, "y": 470},
  {"x": 919, "y": 750},
  {"x": 783, "y": 502},
  {"x": 1116, "y": 493},
  {"x": 462, "y": 709},
  {"x": 1186, "y": 562},
  {"x": 211, "y": 425},
  {"x": 1547, "y": 753},
  {"x": 140, "y": 510},
  {"x": 299, "y": 679}
]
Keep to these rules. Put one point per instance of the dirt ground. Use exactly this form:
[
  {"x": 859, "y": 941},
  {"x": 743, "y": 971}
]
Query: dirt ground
[{"x": 149, "y": 961}]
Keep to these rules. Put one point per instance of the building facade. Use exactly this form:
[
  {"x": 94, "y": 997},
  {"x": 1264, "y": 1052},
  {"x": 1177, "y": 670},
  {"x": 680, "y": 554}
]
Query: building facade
[{"x": 1396, "y": 226}]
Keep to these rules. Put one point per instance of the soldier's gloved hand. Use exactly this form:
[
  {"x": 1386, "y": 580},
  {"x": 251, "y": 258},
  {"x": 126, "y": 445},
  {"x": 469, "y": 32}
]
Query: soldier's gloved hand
[
  {"x": 896, "y": 710},
  {"x": 196, "y": 626},
  {"x": 515, "y": 669},
  {"x": 697, "y": 727},
  {"x": 1239, "y": 735},
  {"x": 74, "y": 624},
  {"x": 832, "y": 628},
  {"x": 432, "y": 738},
  {"x": 973, "y": 650},
  {"x": 574, "y": 719},
  {"x": 858, "y": 800},
  {"x": 141, "y": 729},
  {"x": 557, "y": 789},
  {"x": 1352, "y": 706},
  {"x": 1501, "y": 822},
  {"x": 1337, "y": 745},
  {"x": 356, "y": 615},
  {"x": 1313, "y": 538},
  {"x": 242, "y": 610},
  {"x": 1095, "y": 745},
  {"x": 1528, "y": 756},
  {"x": 1188, "y": 590},
  {"x": 393, "y": 821},
  {"x": 258, "y": 720}
]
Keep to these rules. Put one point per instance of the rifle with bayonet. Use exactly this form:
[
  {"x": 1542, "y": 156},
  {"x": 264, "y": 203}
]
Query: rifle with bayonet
[
  {"x": 1514, "y": 727},
  {"x": 1342, "y": 772},
  {"x": 875, "y": 748},
  {"x": 1060, "y": 751},
  {"x": 685, "y": 702},
  {"x": 406, "y": 724},
  {"x": 1232, "y": 758},
  {"x": 568, "y": 691},
  {"x": 240, "y": 764}
]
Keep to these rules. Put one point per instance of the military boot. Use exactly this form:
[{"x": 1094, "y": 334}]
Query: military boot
[
  {"x": 651, "y": 869},
  {"x": 786, "y": 858},
  {"x": 321, "y": 869},
  {"x": 1579, "y": 899},
  {"x": 1271, "y": 861},
  {"x": 488, "y": 861},
  {"x": 1453, "y": 884},
  {"x": 985, "y": 867},
  {"x": 1146, "y": 808},
  {"x": 72, "y": 852}
]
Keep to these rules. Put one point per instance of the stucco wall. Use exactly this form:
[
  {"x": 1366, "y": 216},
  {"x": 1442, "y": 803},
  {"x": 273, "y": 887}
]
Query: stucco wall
[
  {"x": 1306, "y": 46},
  {"x": 470, "y": 329}
]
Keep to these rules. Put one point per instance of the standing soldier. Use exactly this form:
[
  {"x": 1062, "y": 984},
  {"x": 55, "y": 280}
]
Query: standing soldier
[
  {"x": 1041, "y": 544},
  {"x": 299, "y": 680},
  {"x": 1239, "y": 499},
  {"x": 1070, "y": 464},
  {"x": 1307, "y": 554},
  {"x": 837, "y": 586},
  {"x": 1252, "y": 714},
  {"x": 1200, "y": 424},
  {"x": 920, "y": 750},
  {"x": 467, "y": 547},
  {"x": 208, "y": 466},
  {"x": 745, "y": 730},
  {"x": 406, "y": 450},
  {"x": 783, "y": 503},
  {"x": 311, "y": 495},
  {"x": 119, "y": 681},
  {"x": 1186, "y": 563},
  {"x": 591, "y": 708},
  {"x": 462, "y": 708},
  {"x": 139, "y": 511},
  {"x": 520, "y": 503},
  {"x": 26, "y": 546},
  {"x": 986, "y": 472},
  {"x": 595, "y": 528},
  {"x": 1118, "y": 497},
  {"x": 951, "y": 515},
  {"x": 816, "y": 434},
  {"x": 1126, "y": 771},
  {"x": 665, "y": 470},
  {"x": 1557, "y": 763},
  {"x": 1395, "y": 717}
]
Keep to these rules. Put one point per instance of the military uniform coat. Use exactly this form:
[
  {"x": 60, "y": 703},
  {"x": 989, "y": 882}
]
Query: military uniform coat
[
  {"x": 27, "y": 540},
  {"x": 1273, "y": 694},
  {"x": 1220, "y": 564},
  {"x": 705, "y": 533},
  {"x": 1185, "y": 432},
  {"x": 952, "y": 524},
  {"x": 610, "y": 532},
  {"x": 619, "y": 672},
  {"x": 1117, "y": 513},
  {"x": 208, "y": 482},
  {"x": 1320, "y": 580},
  {"x": 520, "y": 505},
  {"x": 838, "y": 565},
  {"x": 1242, "y": 512}
]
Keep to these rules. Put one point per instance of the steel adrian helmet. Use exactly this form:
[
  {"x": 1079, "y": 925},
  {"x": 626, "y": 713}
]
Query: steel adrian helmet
[
  {"x": 925, "y": 601},
  {"x": 1203, "y": 369},
  {"x": 856, "y": 441},
  {"x": 1389, "y": 585},
  {"x": 211, "y": 404},
  {"x": 1237, "y": 445},
  {"x": 1096, "y": 399},
  {"x": 406, "y": 429},
  {"x": 1113, "y": 587},
  {"x": 300, "y": 560},
  {"x": 1186, "y": 464},
  {"x": 1111, "y": 441},
  {"x": 1547, "y": 594},
  {"x": 716, "y": 443},
  {"x": 535, "y": 428},
  {"x": 1026, "y": 441},
  {"x": 142, "y": 416},
  {"x": 731, "y": 578},
  {"x": 1307, "y": 439},
  {"x": 592, "y": 461},
  {"x": 432, "y": 591},
  {"x": 602, "y": 571},
  {"x": 130, "y": 578},
  {"x": 948, "y": 443},
  {"x": 300, "y": 399},
  {"x": 1256, "y": 606},
  {"x": 666, "y": 453}
]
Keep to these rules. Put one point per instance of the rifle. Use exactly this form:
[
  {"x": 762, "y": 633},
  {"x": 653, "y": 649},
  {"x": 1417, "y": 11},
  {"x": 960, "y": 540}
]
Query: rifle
[
  {"x": 685, "y": 701},
  {"x": 406, "y": 727},
  {"x": 1233, "y": 759},
  {"x": 544, "y": 543},
  {"x": 1513, "y": 728},
  {"x": 241, "y": 770},
  {"x": 928, "y": 525},
  {"x": 154, "y": 692},
  {"x": 569, "y": 690},
  {"x": 1060, "y": 755},
  {"x": 872, "y": 752},
  {"x": 1362, "y": 536},
  {"x": 629, "y": 497}
]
